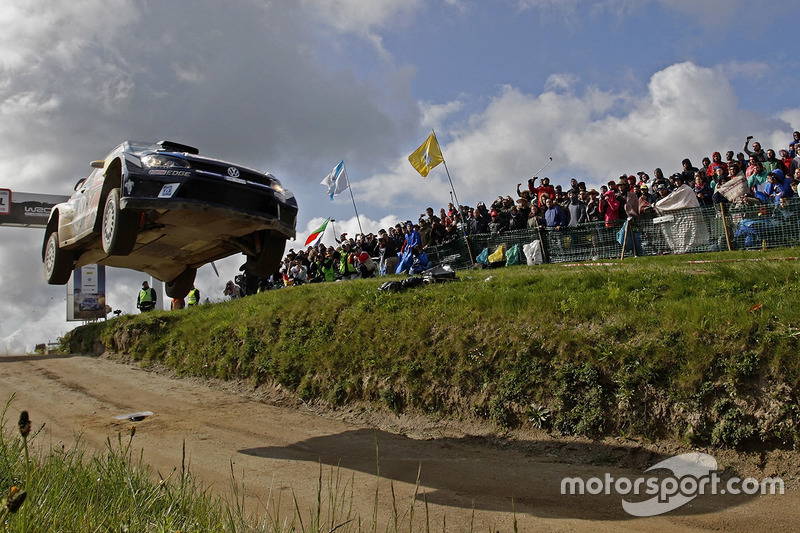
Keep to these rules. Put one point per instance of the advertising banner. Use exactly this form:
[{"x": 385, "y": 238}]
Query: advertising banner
[
  {"x": 86, "y": 293},
  {"x": 27, "y": 209}
]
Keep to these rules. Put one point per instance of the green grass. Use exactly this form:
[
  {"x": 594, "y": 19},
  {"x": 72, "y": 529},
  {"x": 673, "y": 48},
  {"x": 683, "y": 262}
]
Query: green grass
[
  {"x": 69, "y": 489},
  {"x": 650, "y": 347}
]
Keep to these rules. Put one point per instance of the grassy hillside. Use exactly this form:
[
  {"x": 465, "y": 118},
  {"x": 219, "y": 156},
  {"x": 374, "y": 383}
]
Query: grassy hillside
[{"x": 650, "y": 347}]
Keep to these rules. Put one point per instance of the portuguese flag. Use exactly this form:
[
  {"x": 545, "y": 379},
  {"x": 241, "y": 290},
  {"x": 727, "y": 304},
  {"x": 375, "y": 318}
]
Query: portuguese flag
[{"x": 316, "y": 236}]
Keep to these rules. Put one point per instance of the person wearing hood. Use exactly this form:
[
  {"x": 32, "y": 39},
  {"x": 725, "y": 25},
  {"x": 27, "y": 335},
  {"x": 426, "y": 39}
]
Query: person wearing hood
[
  {"x": 786, "y": 159},
  {"x": 716, "y": 161},
  {"x": 778, "y": 186},
  {"x": 793, "y": 146},
  {"x": 609, "y": 208},
  {"x": 688, "y": 171},
  {"x": 536, "y": 192},
  {"x": 412, "y": 237},
  {"x": 658, "y": 174},
  {"x": 705, "y": 164}
]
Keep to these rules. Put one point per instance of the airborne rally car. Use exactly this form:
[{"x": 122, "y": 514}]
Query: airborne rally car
[{"x": 165, "y": 210}]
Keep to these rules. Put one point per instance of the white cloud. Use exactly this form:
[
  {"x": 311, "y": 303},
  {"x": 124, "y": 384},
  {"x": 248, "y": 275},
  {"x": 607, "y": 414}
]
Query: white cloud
[
  {"x": 752, "y": 70},
  {"x": 240, "y": 80},
  {"x": 336, "y": 227},
  {"x": 357, "y": 16},
  {"x": 560, "y": 82},
  {"x": 708, "y": 9},
  {"x": 282, "y": 86},
  {"x": 686, "y": 111},
  {"x": 36, "y": 32},
  {"x": 433, "y": 115}
]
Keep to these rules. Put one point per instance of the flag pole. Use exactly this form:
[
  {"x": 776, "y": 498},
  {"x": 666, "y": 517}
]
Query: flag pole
[
  {"x": 322, "y": 236},
  {"x": 333, "y": 229},
  {"x": 358, "y": 219},
  {"x": 458, "y": 204}
]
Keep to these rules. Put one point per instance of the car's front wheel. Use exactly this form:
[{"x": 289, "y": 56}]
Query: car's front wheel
[
  {"x": 57, "y": 261},
  {"x": 119, "y": 227},
  {"x": 181, "y": 285}
]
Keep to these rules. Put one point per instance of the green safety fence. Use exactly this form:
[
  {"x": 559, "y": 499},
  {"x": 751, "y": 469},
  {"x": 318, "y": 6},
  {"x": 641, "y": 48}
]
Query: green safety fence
[{"x": 694, "y": 230}]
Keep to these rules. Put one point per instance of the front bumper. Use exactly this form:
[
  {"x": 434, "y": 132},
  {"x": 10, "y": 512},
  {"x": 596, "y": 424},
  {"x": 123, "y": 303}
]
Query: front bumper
[{"x": 242, "y": 199}]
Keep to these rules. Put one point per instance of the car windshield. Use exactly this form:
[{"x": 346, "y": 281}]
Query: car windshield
[{"x": 136, "y": 146}]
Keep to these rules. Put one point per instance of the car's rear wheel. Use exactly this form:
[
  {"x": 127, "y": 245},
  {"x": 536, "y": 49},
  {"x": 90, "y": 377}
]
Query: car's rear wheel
[
  {"x": 57, "y": 261},
  {"x": 266, "y": 262},
  {"x": 182, "y": 284},
  {"x": 119, "y": 227}
]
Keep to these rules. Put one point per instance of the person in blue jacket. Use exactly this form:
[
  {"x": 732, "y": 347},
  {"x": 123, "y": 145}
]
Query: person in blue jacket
[
  {"x": 412, "y": 240},
  {"x": 555, "y": 216},
  {"x": 419, "y": 262},
  {"x": 778, "y": 186},
  {"x": 412, "y": 237}
]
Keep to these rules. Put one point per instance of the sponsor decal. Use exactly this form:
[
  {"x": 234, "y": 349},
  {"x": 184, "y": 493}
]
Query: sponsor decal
[
  {"x": 37, "y": 211},
  {"x": 168, "y": 190},
  {"x": 236, "y": 180},
  {"x": 164, "y": 172}
]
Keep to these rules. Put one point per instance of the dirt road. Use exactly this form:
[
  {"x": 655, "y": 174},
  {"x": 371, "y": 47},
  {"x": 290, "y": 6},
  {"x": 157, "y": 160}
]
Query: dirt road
[{"x": 275, "y": 451}]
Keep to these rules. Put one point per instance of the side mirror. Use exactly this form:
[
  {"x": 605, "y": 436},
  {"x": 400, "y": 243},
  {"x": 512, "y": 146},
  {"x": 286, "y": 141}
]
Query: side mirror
[{"x": 98, "y": 164}]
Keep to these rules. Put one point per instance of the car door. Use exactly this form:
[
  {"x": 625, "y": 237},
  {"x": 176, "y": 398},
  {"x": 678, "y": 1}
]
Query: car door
[{"x": 80, "y": 222}]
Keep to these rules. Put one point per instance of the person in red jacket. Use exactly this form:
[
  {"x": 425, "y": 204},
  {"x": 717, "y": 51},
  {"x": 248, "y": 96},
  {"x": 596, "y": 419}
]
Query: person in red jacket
[
  {"x": 609, "y": 208},
  {"x": 545, "y": 187},
  {"x": 716, "y": 161}
]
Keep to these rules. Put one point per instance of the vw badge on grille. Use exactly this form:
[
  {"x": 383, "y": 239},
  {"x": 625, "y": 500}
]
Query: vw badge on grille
[{"x": 233, "y": 172}]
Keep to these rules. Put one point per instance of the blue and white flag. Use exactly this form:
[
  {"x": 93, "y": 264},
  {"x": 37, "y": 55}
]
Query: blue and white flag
[{"x": 336, "y": 181}]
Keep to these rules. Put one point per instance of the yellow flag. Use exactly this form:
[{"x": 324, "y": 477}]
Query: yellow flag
[{"x": 426, "y": 156}]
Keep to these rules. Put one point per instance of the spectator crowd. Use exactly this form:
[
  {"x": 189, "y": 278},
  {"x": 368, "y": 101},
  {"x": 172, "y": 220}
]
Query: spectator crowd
[{"x": 753, "y": 176}]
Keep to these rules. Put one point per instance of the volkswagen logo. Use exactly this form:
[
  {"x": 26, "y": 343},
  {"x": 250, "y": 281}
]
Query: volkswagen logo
[{"x": 233, "y": 172}]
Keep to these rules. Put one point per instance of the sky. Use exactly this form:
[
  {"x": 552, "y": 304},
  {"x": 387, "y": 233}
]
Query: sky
[{"x": 295, "y": 86}]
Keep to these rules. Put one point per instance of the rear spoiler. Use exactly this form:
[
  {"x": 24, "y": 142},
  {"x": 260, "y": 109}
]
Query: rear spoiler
[{"x": 170, "y": 146}]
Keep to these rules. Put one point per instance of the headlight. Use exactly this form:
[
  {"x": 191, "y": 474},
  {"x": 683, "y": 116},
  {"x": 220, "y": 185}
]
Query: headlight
[
  {"x": 275, "y": 183},
  {"x": 164, "y": 161}
]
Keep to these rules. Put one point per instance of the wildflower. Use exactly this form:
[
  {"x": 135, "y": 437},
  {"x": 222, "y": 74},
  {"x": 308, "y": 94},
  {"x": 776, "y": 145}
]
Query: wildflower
[
  {"x": 24, "y": 424},
  {"x": 14, "y": 499},
  {"x": 133, "y": 430},
  {"x": 756, "y": 307}
]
